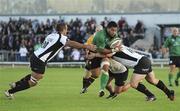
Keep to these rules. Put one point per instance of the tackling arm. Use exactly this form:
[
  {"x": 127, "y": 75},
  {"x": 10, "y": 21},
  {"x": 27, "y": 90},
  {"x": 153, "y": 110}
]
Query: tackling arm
[{"x": 79, "y": 45}]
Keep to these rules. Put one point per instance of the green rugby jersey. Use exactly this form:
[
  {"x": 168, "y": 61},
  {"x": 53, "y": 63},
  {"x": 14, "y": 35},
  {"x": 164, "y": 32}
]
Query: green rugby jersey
[
  {"x": 173, "y": 43},
  {"x": 102, "y": 40}
]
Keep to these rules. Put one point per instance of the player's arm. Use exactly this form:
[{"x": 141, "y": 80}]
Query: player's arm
[
  {"x": 93, "y": 55},
  {"x": 100, "y": 44},
  {"x": 165, "y": 46},
  {"x": 77, "y": 45}
]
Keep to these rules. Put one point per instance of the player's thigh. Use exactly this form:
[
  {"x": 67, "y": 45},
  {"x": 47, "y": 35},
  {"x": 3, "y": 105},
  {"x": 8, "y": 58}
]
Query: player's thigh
[
  {"x": 95, "y": 72},
  {"x": 37, "y": 76},
  {"x": 151, "y": 78}
]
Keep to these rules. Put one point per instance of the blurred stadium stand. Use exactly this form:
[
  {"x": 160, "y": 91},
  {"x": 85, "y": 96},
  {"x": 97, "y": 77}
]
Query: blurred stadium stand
[
  {"x": 143, "y": 24},
  {"x": 86, "y": 6}
]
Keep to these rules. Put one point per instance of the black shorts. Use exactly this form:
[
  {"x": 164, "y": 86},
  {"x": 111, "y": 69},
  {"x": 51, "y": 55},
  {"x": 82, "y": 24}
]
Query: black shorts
[
  {"x": 93, "y": 63},
  {"x": 37, "y": 65},
  {"x": 120, "y": 78},
  {"x": 143, "y": 66},
  {"x": 174, "y": 60}
]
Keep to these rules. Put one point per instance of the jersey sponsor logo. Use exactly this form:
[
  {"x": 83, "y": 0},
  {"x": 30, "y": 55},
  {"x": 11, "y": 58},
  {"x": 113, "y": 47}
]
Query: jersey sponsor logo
[{"x": 145, "y": 69}]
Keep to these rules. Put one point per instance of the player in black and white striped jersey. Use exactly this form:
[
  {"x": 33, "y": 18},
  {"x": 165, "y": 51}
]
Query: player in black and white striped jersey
[
  {"x": 142, "y": 70},
  {"x": 52, "y": 44}
]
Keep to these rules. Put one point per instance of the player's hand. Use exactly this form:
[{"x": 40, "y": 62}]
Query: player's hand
[
  {"x": 117, "y": 49},
  {"x": 91, "y": 47},
  {"x": 109, "y": 55}
]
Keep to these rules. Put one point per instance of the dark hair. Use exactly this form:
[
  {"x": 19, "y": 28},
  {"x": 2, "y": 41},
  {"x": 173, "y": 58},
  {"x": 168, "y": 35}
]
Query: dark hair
[
  {"x": 112, "y": 24},
  {"x": 60, "y": 27}
]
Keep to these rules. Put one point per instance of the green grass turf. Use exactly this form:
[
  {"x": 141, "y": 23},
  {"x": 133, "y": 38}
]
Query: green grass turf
[{"x": 59, "y": 91}]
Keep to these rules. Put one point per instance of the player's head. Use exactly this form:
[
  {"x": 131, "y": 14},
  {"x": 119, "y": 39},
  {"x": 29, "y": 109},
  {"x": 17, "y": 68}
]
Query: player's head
[
  {"x": 112, "y": 28},
  {"x": 99, "y": 28},
  {"x": 62, "y": 28},
  {"x": 175, "y": 31}
]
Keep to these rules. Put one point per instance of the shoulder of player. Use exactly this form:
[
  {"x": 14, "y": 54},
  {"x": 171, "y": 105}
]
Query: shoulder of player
[
  {"x": 99, "y": 33},
  {"x": 169, "y": 38}
]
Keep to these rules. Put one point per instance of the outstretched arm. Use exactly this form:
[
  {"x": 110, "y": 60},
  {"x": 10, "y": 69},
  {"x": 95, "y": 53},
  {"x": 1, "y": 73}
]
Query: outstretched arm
[{"x": 77, "y": 45}]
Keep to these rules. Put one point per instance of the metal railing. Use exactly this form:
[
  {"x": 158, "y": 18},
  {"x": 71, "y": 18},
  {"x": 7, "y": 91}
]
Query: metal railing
[{"x": 10, "y": 58}]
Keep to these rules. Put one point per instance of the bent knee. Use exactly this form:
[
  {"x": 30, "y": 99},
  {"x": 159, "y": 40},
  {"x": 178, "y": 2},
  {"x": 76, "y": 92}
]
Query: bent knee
[
  {"x": 153, "y": 81},
  {"x": 133, "y": 84}
]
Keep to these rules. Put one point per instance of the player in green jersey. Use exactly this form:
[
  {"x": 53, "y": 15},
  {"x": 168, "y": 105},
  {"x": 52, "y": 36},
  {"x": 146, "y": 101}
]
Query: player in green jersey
[
  {"x": 99, "y": 65},
  {"x": 173, "y": 44}
]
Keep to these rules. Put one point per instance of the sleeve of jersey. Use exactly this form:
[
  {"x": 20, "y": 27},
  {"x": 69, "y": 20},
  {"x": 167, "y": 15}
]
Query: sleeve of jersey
[
  {"x": 99, "y": 42},
  {"x": 64, "y": 39},
  {"x": 89, "y": 41},
  {"x": 166, "y": 43}
]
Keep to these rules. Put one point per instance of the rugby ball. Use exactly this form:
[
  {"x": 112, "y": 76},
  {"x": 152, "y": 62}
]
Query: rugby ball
[{"x": 115, "y": 42}]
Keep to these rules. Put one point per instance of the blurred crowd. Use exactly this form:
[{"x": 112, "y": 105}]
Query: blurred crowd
[{"x": 21, "y": 37}]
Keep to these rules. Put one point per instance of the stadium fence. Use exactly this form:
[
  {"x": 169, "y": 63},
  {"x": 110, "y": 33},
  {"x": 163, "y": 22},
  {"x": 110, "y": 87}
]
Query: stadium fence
[{"x": 9, "y": 58}]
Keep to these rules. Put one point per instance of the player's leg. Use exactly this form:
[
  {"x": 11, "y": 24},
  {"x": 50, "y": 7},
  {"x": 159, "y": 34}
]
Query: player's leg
[
  {"x": 109, "y": 86},
  {"x": 178, "y": 73},
  {"x": 135, "y": 83},
  {"x": 25, "y": 83},
  {"x": 86, "y": 78},
  {"x": 30, "y": 80},
  {"x": 172, "y": 69},
  {"x": 88, "y": 81},
  {"x": 177, "y": 77},
  {"x": 159, "y": 84},
  {"x": 120, "y": 85},
  {"x": 94, "y": 68},
  {"x": 104, "y": 76},
  {"x": 120, "y": 73},
  {"x": 120, "y": 80}
]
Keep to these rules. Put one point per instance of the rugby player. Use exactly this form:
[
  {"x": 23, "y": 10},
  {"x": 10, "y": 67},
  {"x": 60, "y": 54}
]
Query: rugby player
[
  {"x": 142, "y": 70},
  {"x": 52, "y": 44},
  {"x": 119, "y": 73},
  {"x": 173, "y": 44},
  {"x": 101, "y": 39},
  {"x": 87, "y": 66}
]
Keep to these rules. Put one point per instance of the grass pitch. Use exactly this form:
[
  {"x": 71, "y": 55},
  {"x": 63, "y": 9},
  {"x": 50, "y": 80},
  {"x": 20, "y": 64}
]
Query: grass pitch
[{"x": 60, "y": 87}]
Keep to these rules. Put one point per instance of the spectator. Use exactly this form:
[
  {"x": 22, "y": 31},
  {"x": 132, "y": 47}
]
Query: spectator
[
  {"x": 75, "y": 55},
  {"x": 23, "y": 53},
  {"x": 60, "y": 56}
]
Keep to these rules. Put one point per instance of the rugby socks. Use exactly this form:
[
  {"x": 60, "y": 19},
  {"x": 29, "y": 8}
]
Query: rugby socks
[
  {"x": 104, "y": 79},
  {"x": 27, "y": 77},
  {"x": 21, "y": 85},
  {"x": 170, "y": 78},
  {"x": 163, "y": 87},
  {"x": 177, "y": 76},
  {"x": 110, "y": 89},
  {"x": 88, "y": 82},
  {"x": 85, "y": 81},
  {"x": 143, "y": 89}
]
